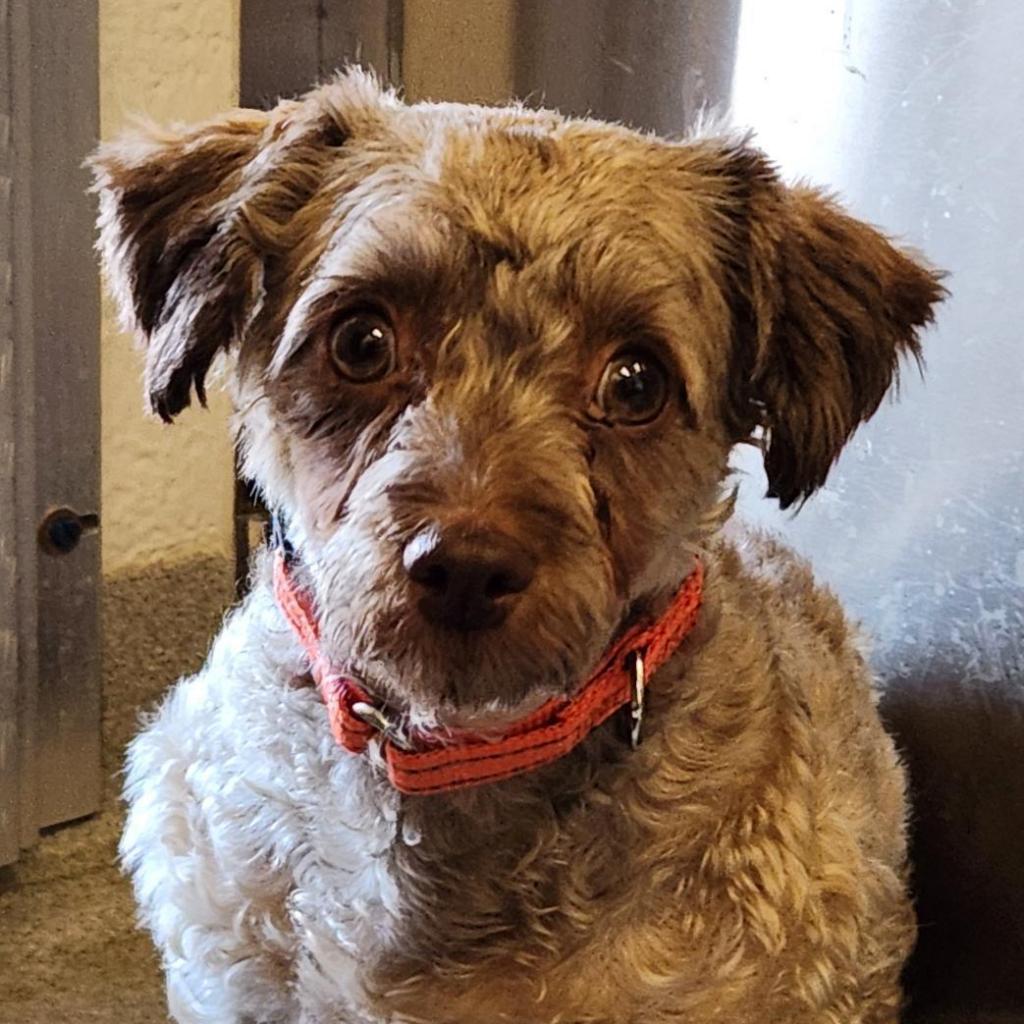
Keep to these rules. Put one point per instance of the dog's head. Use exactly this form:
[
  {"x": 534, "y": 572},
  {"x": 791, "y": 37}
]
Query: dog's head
[{"x": 490, "y": 363}]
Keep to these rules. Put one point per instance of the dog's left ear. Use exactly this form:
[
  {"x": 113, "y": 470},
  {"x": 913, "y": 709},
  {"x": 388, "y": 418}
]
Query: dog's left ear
[{"x": 827, "y": 306}]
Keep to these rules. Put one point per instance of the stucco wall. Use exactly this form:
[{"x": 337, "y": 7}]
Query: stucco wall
[{"x": 166, "y": 491}]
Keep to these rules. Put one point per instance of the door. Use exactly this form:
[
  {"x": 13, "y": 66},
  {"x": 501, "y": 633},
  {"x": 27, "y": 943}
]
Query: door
[{"x": 49, "y": 421}]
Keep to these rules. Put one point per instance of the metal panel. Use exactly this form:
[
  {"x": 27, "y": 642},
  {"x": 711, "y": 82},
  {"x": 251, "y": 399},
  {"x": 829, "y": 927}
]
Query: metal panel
[
  {"x": 287, "y": 48},
  {"x": 657, "y": 64},
  {"x": 280, "y": 49},
  {"x": 8, "y": 563},
  {"x": 362, "y": 33},
  {"x": 56, "y": 323},
  {"x": 24, "y": 437}
]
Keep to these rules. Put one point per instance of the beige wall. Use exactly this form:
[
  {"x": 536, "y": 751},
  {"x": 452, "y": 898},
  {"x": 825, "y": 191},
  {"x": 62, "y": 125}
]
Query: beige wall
[{"x": 166, "y": 491}]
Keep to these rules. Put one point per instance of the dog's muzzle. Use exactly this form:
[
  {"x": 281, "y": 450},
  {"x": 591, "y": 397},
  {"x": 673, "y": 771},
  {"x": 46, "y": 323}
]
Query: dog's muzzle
[{"x": 436, "y": 761}]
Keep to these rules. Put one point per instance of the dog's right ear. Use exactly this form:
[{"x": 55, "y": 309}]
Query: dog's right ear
[
  {"x": 188, "y": 220},
  {"x": 184, "y": 281}
]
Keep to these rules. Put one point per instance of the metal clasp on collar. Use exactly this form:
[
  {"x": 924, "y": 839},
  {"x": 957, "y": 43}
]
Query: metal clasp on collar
[
  {"x": 637, "y": 689},
  {"x": 386, "y": 726}
]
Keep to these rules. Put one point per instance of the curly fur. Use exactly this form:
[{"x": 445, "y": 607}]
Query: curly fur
[{"x": 747, "y": 863}]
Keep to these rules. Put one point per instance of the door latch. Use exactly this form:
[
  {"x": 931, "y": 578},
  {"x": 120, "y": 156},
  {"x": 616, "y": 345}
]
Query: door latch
[{"x": 61, "y": 529}]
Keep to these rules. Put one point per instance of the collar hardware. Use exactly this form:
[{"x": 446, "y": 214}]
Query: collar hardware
[
  {"x": 637, "y": 694},
  {"x": 379, "y": 720}
]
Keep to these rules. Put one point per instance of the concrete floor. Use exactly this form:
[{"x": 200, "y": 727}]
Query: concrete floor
[{"x": 69, "y": 950}]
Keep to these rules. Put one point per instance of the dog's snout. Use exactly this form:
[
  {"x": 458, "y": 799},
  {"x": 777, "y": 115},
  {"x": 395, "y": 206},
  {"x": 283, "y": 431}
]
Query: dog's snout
[{"x": 468, "y": 581}]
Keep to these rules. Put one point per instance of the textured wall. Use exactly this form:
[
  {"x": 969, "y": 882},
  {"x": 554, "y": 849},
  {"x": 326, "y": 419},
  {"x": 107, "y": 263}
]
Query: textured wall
[{"x": 167, "y": 491}]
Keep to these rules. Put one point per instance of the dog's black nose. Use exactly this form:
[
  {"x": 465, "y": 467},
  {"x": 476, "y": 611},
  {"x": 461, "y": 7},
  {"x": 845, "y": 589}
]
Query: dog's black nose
[{"x": 468, "y": 580}]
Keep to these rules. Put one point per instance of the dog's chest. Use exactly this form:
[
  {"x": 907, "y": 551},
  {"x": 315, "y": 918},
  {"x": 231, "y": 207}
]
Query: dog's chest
[
  {"x": 395, "y": 909},
  {"x": 374, "y": 937},
  {"x": 394, "y": 905},
  {"x": 370, "y": 891}
]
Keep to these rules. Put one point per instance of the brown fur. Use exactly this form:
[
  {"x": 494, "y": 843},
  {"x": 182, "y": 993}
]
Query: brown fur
[{"x": 747, "y": 863}]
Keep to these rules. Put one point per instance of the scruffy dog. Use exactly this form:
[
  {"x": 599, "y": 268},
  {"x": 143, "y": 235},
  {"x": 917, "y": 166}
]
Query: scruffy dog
[{"x": 488, "y": 366}]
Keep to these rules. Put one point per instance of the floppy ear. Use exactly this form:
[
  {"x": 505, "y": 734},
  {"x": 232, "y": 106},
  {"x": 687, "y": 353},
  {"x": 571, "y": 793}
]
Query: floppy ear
[
  {"x": 189, "y": 220},
  {"x": 184, "y": 281},
  {"x": 828, "y": 308}
]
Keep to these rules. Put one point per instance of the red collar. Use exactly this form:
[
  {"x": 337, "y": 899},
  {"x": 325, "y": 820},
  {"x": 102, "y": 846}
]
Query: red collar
[{"x": 434, "y": 763}]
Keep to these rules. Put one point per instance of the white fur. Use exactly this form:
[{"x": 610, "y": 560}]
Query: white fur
[{"x": 225, "y": 785}]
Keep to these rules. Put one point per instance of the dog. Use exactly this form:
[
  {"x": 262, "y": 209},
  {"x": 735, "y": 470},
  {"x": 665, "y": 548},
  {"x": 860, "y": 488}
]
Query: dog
[{"x": 515, "y": 723}]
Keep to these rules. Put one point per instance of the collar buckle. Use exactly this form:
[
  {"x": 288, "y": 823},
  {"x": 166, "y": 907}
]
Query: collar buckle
[
  {"x": 637, "y": 694},
  {"x": 379, "y": 720}
]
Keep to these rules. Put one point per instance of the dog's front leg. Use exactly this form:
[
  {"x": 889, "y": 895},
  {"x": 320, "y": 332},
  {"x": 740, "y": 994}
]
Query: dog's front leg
[{"x": 214, "y": 913}]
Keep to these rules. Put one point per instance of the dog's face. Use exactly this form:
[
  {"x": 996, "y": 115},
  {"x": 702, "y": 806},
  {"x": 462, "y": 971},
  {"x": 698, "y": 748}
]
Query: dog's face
[{"x": 490, "y": 364}]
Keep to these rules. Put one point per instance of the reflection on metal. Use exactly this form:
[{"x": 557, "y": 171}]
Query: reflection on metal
[
  {"x": 911, "y": 112},
  {"x": 655, "y": 64}
]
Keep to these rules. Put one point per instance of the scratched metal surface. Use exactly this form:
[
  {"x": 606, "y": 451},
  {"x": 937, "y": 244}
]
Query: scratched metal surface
[
  {"x": 51, "y": 387},
  {"x": 912, "y": 112},
  {"x": 8, "y": 567}
]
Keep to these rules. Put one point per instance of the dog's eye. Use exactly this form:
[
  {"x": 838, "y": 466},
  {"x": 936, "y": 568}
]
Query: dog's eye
[
  {"x": 362, "y": 346},
  {"x": 633, "y": 388}
]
